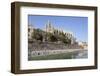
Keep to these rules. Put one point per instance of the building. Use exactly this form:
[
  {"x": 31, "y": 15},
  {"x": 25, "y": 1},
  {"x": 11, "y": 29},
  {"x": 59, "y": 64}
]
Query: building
[
  {"x": 70, "y": 35},
  {"x": 30, "y": 31},
  {"x": 84, "y": 45},
  {"x": 50, "y": 28}
]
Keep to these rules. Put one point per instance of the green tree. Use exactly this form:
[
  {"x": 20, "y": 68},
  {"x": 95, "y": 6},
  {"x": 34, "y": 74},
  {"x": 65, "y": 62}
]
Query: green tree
[
  {"x": 37, "y": 34},
  {"x": 51, "y": 37},
  {"x": 64, "y": 38}
]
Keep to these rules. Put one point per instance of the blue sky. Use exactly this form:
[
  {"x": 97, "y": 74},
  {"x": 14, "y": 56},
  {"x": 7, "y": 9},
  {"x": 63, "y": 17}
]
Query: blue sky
[{"x": 77, "y": 25}]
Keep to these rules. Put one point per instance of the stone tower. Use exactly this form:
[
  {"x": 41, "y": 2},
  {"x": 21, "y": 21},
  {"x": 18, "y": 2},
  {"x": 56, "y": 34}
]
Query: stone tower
[{"x": 49, "y": 27}]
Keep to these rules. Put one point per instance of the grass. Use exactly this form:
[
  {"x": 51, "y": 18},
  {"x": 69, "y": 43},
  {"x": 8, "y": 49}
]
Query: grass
[{"x": 54, "y": 56}]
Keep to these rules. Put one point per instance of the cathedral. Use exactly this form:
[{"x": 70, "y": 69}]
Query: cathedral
[{"x": 50, "y": 28}]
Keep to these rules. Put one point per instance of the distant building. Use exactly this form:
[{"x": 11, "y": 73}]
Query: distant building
[
  {"x": 70, "y": 35},
  {"x": 84, "y": 45},
  {"x": 50, "y": 28},
  {"x": 30, "y": 31}
]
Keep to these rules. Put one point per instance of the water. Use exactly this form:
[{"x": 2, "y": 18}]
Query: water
[{"x": 81, "y": 54}]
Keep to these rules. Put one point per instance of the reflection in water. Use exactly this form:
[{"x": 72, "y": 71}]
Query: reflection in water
[{"x": 81, "y": 54}]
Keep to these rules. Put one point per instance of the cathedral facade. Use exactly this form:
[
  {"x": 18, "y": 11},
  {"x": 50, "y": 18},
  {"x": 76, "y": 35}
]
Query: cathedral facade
[{"x": 50, "y": 28}]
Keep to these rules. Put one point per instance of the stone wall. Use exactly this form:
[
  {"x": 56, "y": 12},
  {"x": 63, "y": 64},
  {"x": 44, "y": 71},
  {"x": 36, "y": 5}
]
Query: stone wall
[{"x": 42, "y": 49}]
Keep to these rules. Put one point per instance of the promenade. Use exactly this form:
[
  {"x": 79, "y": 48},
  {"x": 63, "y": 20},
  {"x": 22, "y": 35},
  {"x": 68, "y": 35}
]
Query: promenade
[
  {"x": 50, "y": 50},
  {"x": 70, "y": 53}
]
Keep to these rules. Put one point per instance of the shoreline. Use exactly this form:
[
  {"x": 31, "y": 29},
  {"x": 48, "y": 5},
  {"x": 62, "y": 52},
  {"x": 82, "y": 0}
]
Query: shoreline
[
  {"x": 76, "y": 54},
  {"x": 53, "y": 52}
]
